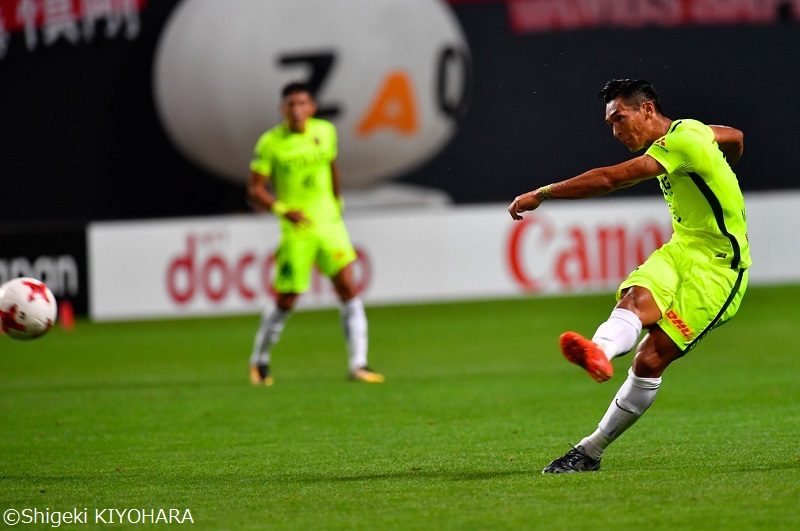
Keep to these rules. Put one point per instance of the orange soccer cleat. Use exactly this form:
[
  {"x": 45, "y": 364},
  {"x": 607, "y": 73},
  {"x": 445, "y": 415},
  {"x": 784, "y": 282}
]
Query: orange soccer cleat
[
  {"x": 582, "y": 352},
  {"x": 366, "y": 375},
  {"x": 260, "y": 375}
]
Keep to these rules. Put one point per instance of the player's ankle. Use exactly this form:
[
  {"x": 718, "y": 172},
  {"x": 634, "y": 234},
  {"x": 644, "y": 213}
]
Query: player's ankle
[{"x": 608, "y": 349}]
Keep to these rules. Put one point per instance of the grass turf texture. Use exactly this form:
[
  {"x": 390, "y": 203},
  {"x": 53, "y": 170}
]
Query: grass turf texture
[{"x": 478, "y": 400}]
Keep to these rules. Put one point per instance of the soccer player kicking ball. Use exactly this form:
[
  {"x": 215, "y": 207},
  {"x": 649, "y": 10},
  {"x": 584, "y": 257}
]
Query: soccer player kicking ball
[
  {"x": 692, "y": 284},
  {"x": 298, "y": 159}
]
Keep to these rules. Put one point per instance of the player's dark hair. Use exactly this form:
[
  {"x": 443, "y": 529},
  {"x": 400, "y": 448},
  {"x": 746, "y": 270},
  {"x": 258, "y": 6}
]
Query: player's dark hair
[
  {"x": 294, "y": 87},
  {"x": 635, "y": 91}
]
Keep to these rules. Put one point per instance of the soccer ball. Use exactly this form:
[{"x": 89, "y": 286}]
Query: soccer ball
[{"x": 27, "y": 308}]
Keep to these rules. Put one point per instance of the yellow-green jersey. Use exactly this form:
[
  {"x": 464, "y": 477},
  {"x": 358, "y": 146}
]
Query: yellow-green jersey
[
  {"x": 299, "y": 166},
  {"x": 702, "y": 192}
]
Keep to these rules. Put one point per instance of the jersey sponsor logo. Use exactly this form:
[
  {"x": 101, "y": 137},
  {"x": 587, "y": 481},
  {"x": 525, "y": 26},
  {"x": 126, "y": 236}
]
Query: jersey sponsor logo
[
  {"x": 304, "y": 161},
  {"x": 680, "y": 324},
  {"x": 666, "y": 189},
  {"x": 662, "y": 143}
]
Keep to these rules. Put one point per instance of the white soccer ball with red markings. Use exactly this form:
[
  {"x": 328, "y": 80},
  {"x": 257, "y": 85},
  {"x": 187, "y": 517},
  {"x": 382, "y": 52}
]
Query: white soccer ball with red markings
[{"x": 27, "y": 308}]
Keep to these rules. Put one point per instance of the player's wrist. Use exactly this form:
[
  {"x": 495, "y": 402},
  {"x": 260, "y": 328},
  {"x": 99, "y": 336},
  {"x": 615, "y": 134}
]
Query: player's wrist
[
  {"x": 279, "y": 208},
  {"x": 543, "y": 193}
]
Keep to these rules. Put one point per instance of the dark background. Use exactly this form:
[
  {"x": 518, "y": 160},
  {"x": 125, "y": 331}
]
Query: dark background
[{"x": 80, "y": 139}]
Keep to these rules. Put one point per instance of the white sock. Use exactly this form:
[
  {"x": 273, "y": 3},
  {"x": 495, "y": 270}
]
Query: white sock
[
  {"x": 631, "y": 401},
  {"x": 354, "y": 323},
  {"x": 618, "y": 335},
  {"x": 269, "y": 332}
]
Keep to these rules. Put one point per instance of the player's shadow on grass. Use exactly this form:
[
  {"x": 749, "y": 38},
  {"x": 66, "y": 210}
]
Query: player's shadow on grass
[
  {"x": 474, "y": 475},
  {"x": 459, "y": 475}
]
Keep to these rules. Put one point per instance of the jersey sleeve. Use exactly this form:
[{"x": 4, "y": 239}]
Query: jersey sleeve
[
  {"x": 334, "y": 142},
  {"x": 262, "y": 161},
  {"x": 678, "y": 151}
]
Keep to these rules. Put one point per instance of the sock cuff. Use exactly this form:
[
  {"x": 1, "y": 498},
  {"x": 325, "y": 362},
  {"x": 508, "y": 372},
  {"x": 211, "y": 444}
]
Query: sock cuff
[
  {"x": 628, "y": 316},
  {"x": 643, "y": 383},
  {"x": 353, "y": 303},
  {"x": 274, "y": 312}
]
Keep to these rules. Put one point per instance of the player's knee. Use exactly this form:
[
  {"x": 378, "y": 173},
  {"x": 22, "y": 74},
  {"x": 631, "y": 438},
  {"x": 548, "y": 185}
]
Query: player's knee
[
  {"x": 345, "y": 292},
  {"x": 345, "y": 289},
  {"x": 649, "y": 363},
  {"x": 640, "y": 301},
  {"x": 286, "y": 301}
]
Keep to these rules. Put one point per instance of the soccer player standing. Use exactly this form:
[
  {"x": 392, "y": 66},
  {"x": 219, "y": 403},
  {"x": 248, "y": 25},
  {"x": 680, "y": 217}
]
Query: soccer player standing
[
  {"x": 298, "y": 160},
  {"x": 692, "y": 284}
]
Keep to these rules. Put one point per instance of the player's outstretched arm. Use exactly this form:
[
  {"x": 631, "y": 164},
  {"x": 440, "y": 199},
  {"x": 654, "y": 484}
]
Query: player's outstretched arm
[
  {"x": 730, "y": 141},
  {"x": 595, "y": 182}
]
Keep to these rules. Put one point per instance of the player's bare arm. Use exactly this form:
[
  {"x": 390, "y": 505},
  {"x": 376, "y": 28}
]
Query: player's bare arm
[
  {"x": 336, "y": 187},
  {"x": 595, "y": 182},
  {"x": 731, "y": 142},
  {"x": 335, "y": 179},
  {"x": 257, "y": 191}
]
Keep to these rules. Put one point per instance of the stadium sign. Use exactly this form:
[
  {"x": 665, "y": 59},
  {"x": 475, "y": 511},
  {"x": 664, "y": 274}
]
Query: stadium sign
[
  {"x": 247, "y": 274},
  {"x": 54, "y": 255},
  {"x": 393, "y": 75},
  {"x": 38, "y": 24},
  {"x": 218, "y": 265},
  {"x": 559, "y": 15}
]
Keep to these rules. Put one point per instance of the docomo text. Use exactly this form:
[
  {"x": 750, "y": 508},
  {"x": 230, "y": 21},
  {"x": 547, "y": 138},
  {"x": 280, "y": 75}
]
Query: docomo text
[{"x": 197, "y": 273}]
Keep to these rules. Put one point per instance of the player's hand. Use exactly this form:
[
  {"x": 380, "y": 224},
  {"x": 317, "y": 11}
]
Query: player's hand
[
  {"x": 296, "y": 217},
  {"x": 524, "y": 203}
]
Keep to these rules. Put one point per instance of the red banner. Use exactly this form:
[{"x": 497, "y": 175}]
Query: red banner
[
  {"x": 17, "y": 15},
  {"x": 559, "y": 15}
]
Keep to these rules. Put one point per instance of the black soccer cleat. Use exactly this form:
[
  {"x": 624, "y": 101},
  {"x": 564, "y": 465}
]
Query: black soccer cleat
[{"x": 572, "y": 461}]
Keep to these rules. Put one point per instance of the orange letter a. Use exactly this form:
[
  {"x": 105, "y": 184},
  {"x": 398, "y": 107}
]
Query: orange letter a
[{"x": 393, "y": 107}]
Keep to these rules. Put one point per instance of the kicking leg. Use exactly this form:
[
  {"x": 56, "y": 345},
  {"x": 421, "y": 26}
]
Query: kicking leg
[
  {"x": 654, "y": 354},
  {"x": 614, "y": 337}
]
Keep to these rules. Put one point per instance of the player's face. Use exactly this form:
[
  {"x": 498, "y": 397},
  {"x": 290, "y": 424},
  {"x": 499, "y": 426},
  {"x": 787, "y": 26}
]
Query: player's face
[
  {"x": 628, "y": 123},
  {"x": 297, "y": 108}
]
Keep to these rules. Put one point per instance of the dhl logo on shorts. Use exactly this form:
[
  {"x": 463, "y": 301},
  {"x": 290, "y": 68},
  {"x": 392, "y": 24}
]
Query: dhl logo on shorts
[{"x": 675, "y": 319}]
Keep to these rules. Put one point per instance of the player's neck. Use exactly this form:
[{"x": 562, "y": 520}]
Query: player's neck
[
  {"x": 664, "y": 125},
  {"x": 660, "y": 128},
  {"x": 296, "y": 128}
]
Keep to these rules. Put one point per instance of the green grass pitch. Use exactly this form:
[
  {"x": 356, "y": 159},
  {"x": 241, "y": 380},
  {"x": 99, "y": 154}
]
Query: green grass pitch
[{"x": 477, "y": 400}]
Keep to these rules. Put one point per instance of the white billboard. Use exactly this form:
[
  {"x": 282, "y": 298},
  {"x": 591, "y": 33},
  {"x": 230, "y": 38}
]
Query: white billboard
[{"x": 206, "y": 266}]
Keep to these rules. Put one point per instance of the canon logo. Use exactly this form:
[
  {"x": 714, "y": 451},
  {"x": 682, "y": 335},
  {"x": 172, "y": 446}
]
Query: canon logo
[
  {"x": 596, "y": 255},
  {"x": 60, "y": 273},
  {"x": 248, "y": 275}
]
